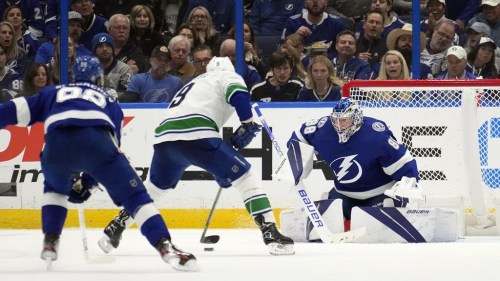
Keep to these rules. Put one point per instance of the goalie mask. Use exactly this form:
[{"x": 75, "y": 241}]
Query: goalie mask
[{"x": 347, "y": 118}]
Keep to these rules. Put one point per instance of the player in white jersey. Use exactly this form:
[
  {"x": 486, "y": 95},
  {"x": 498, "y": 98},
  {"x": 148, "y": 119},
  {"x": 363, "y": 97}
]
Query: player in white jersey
[{"x": 189, "y": 135}]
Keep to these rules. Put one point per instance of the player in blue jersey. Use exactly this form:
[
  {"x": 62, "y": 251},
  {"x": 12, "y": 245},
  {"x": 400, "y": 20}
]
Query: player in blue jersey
[
  {"x": 82, "y": 134},
  {"x": 369, "y": 164}
]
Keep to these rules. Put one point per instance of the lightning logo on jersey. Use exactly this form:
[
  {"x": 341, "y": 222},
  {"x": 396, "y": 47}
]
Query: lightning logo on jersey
[{"x": 348, "y": 171}]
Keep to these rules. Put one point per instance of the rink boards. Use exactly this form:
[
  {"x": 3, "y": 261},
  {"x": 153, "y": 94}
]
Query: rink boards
[{"x": 187, "y": 206}]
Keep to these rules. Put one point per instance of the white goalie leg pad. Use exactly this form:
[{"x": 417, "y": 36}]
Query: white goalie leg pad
[
  {"x": 251, "y": 188},
  {"x": 301, "y": 159},
  {"x": 296, "y": 224},
  {"x": 293, "y": 224},
  {"x": 404, "y": 225},
  {"x": 333, "y": 216}
]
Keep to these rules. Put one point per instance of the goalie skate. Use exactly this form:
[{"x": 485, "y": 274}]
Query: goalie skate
[
  {"x": 277, "y": 243},
  {"x": 113, "y": 232},
  {"x": 178, "y": 259}
]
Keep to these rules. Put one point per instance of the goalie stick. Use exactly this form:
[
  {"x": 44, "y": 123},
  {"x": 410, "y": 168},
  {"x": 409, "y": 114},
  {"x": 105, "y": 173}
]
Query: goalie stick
[
  {"x": 211, "y": 239},
  {"x": 308, "y": 204}
]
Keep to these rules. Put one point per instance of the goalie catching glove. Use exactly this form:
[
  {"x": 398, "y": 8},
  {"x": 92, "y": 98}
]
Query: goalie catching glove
[
  {"x": 407, "y": 191},
  {"x": 245, "y": 134},
  {"x": 81, "y": 189}
]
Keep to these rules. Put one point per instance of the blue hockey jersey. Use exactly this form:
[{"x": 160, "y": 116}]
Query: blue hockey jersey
[
  {"x": 78, "y": 104},
  {"x": 370, "y": 162}
]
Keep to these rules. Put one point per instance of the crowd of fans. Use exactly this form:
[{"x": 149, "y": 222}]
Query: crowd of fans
[{"x": 149, "y": 49}]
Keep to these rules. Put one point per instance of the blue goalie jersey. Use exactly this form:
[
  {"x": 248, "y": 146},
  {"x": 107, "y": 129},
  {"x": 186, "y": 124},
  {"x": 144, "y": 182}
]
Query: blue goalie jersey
[
  {"x": 78, "y": 104},
  {"x": 370, "y": 162}
]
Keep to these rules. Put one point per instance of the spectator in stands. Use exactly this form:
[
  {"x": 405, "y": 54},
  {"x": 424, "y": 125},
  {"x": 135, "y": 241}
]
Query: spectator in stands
[
  {"x": 250, "y": 57},
  {"x": 206, "y": 34},
  {"x": 33, "y": 12},
  {"x": 298, "y": 70},
  {"x": 296, "y": 41},
  {"x": 400, "y": 39},
  {"x": 461, "y": 11},
  {"x": 474, "y": 32},
  {"x": 280, "y": 86},
  {"x": 456, "y": 60},
  {"x": 117, "y": 74},
  {"x": 107, "y": 8},
  {"x": 269, "y": 17},
  {"x": 322, "y": 83},
  {"x": 180, "y": 49},
  {"x": 221, "y": 13},
  {"x": 435, "y": 50},
  {"x": 314, "y": 24},
  {"x": 16, "y": 57},
  {"x": 391, "y": 20},
  {"x": 156, "y": 85},
  {"x": 93, "y": 23},
  {"x": 45, "y": 53},
  {"x": 404, "y": 8},
  {"x": 188, "y": 32},
  {"x": 55, "y": 65},
  {"x": 201, "y": 57},
  {"x": 126, "y": 50},
  {"x": 393, "y": 67},
  {"x": 346, "y": 64},
  {"x": 370, "y": 46},
  {"x": 436, "y": 11},
  {"x": 490, "y": 14},
  {"x": 35, "y": 79},
  {"x": 52, "y": 19},
  {"x": 142, "y": 29},
  {"x": 250, "y": 74},
  {"x": 25, "y": 39},
  {"x": 10, "y": 87},
  {"x": 171, "y": 13},
  {"x": 481, "y": 59}
]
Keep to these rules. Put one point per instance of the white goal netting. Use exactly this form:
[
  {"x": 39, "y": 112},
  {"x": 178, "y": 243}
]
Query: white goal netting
[{"x": 452, "y": 128}]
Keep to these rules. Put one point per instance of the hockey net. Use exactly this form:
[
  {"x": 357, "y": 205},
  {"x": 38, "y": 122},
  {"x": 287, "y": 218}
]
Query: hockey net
[{"x": 452, "y": 128}]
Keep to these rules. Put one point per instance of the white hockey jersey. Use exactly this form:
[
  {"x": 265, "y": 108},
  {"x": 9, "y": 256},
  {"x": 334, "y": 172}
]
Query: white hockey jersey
[{"x": 200, "y": 108}]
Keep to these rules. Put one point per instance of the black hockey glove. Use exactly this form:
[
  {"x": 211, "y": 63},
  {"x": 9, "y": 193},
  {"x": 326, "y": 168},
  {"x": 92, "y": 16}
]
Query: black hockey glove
[
  {"x": 245, "y": 134},
  {"x": 81, "y": 190}
]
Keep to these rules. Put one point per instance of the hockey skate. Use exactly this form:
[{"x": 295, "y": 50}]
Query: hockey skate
[
  {"x": 277, "y": 243},
  {"x": 50, "y": 249},
  {"x": 113, "y": 232},
  {"x": 172, "y": 255}
]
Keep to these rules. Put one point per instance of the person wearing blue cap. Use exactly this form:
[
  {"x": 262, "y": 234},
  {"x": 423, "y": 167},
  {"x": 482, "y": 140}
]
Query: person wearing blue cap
[{"x": 117, "y": 74}]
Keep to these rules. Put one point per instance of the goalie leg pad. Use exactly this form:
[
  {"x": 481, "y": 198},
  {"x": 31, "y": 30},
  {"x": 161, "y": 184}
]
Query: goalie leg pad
[
  {"x": 297, "y": 225},
  {"x": 403, "y": 225}
]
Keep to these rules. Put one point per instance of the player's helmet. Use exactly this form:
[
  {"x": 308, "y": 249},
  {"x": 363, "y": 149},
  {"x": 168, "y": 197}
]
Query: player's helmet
[
  {"x": 87, "y": 69},
  {"x": 347, "y": 118},
  {"x": 220, "y": 64}
]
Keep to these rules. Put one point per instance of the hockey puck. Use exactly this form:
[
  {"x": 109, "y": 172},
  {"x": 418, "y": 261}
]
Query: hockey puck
[{"x": 209, "y": 249}]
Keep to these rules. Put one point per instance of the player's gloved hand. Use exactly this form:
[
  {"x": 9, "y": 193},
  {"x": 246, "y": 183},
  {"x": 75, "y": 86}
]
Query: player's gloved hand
[
  {"x": 407, "y": 191},
  {"x": 81, "y": 190},
  {"x": 245, "y": 134}
]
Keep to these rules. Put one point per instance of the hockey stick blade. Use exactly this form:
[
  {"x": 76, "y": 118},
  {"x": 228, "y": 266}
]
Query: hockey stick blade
[
  {"x": 346, "y": 237},
  {"x": 211, "y": 239}
]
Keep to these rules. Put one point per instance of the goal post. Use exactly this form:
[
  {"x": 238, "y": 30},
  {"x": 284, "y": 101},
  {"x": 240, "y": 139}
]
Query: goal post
[{"x": 451, "y": 127}]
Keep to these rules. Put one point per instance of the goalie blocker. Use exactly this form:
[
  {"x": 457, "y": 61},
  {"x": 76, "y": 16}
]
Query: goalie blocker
[{"x": 383, "y": 225}]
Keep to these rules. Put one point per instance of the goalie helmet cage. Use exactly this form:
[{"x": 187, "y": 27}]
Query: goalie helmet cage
[{"x": 451, "y": 127}]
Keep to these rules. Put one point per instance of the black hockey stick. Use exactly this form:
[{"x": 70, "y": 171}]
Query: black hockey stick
[{"x": 211, "y": 239}]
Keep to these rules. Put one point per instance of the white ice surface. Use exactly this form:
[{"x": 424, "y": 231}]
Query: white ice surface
[{"x": 240, "y": 255}]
